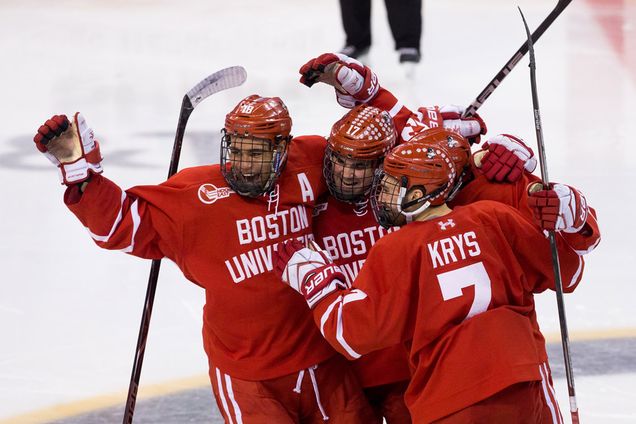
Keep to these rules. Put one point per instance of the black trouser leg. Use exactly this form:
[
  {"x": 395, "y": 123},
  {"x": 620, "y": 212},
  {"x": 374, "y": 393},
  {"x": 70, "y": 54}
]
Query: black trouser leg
[
  {"x": 405, "y": 20},
  {"x": 356, "y": 20}
]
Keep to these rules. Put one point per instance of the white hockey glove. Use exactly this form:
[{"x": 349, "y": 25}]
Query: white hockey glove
[
  {"x": 71, "y": 147},
  {"x": 470, "y": 128},
  {"x": 559, "y": 208},
  {"x": 354, "y": 82},
  {"x": 310, "y": 272}
]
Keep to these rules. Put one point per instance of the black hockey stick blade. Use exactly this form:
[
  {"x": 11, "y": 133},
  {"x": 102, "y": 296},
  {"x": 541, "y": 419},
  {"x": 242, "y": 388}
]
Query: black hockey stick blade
[
  {"x": 218, "y": 81},
  {"x": 509, "y": 66},
  {"x": 565, "y": 339}
]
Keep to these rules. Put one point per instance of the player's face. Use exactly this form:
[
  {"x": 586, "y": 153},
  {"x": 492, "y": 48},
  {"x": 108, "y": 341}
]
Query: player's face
[
  {"x": 388, "y": 199},
  {"x": 251, "y": 160},
  {"x": 352, "y": 175},
  {"x": 389, "y": 193}
]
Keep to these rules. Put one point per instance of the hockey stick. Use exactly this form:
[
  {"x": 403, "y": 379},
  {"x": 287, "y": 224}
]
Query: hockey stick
[
  {"x": 565, "y": 341},
  {"x": 218, "y": 81},
  {"x": 503, "y": 73}
]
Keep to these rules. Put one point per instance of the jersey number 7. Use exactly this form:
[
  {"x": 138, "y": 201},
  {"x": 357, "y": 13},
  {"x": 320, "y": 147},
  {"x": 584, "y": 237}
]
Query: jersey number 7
[{"x": 452, "y": 282}]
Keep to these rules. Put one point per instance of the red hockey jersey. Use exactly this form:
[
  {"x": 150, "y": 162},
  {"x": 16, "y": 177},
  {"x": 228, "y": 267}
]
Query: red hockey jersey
[
  {"x": 347, "y": 232},
  {"x": 254, "y": 328},
  {"x": 460, "y": 289}
]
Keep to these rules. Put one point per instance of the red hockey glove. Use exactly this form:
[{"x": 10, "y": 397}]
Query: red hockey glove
[
  {"x": 354, "y": 82},
  {"x": 471, "y": 128},
  {"x": 506, "y": 158},
  {"x": 561, "y": 208},
  {"x": 310, "y": 272},
  {"x": 71, "y": 147}
]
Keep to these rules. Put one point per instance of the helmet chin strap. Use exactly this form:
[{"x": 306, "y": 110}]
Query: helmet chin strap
[{"x": 410, "y": 216}]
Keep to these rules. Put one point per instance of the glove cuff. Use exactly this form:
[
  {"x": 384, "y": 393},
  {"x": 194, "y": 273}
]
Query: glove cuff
[{"x": 322, "y": 282}]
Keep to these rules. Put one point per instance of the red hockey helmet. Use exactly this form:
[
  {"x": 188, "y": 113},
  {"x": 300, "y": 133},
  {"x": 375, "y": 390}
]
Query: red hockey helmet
[
  {"x": 356, "y": 146},
  {"x": 365, "y": 132},
  {"x": 254, "y": 144},
  {"x": 260, "y": 117},
  {"x": 411, "y": 166},
  {"x": 457, "y": 147}
]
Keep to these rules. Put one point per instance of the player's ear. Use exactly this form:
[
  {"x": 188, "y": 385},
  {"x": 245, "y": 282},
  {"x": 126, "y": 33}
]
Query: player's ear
[{"x": 415, "y": 193}]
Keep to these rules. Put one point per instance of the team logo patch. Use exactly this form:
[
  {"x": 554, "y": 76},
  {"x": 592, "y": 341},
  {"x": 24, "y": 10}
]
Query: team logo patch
[
  {"x": 446, "y": 224},
  {"x": 209, "y": 193}
]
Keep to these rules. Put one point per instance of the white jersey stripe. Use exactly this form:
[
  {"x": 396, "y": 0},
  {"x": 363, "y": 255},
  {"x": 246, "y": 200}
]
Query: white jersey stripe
[
  {"x": 353, "y": 296},
  {"x": 576, "y": 275},
  {"x": 230, "y": 392},
  {"x": 548, "y": 394},
  {"x": 115, "y": 224},
  {"x": 395, "y": 109},
  {"x": 325, "y": 315},
  {"x": 222, "y": 396},
  {"x": 134, "y": 212}
]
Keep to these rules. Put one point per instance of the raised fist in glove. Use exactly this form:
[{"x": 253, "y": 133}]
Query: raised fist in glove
[
  {"x": 354, "y": 82},
  {"x": 71, "y": 147},
  {"x": 309, "y": 271},
  {"x": 504, "y": 158},
  {"x": 559, "y": 208},
  {"x": 470, "y": 127}
]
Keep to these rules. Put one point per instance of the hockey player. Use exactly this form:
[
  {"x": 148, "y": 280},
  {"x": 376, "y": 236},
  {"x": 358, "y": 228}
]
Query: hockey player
[
  {"x": 220, "y": 224},
  {"x": 345, "y": 226},
  {"x": 440, "y": 285}
]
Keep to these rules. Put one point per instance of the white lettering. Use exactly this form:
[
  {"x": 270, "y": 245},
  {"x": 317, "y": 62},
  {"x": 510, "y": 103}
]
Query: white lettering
[
  {"x": 243, "y": 228},
  {"x": 236, "y": 278},
  {"x": 447, "y": 250},
  {"x": 472, "y": 243},
  {"x": 305, "y": 188},
  {"x": 272, "y": 226},
  {"x": 435, "y": 256}
]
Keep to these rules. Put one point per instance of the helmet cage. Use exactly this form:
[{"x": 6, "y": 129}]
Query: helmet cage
[
  {"x": 398, "y": 210},
  {"x": 263, "y": 159},
  {"x": 348, "y": 179},
  {"x": 394, "y": 213}
]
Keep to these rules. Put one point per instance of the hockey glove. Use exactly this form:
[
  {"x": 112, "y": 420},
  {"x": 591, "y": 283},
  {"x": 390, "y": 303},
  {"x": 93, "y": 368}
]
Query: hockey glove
[
  {"x": 506, "y": 157},
  {"x": 71, "y": 147},
  {"x": 471, "y": 128},
  {"x": 560, "y": 208},
  {"x": 354, "y": 82},
  {"x": 310, "y": 272}
]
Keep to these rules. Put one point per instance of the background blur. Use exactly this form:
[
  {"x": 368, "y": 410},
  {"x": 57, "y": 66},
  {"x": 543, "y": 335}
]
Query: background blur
[{"x": 69, "y": 312}]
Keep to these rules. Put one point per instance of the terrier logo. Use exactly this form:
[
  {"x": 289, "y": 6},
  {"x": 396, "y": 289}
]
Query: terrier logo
[
  {"x": 209, "y": 193},
  {"x": 448, "y": 223}
]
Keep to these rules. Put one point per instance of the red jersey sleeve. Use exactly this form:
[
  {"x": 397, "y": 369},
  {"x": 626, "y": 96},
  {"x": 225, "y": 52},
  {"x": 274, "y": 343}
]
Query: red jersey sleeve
[
  {"x": 364, "y": 318},
  {"x": 407, "y": 123},
  {"x": 137, "y": 221},
  {"x": 516, "y": 195},
  {"x": 533, "y": 250}
]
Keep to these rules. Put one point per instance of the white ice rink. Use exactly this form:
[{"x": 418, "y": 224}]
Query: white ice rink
[{"x": 69, "y": 312}]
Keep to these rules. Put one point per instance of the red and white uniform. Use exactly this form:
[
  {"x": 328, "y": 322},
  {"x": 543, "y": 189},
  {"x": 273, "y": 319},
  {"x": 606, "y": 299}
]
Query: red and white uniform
[
  {"x": 254, "y": 328},
  {"x": 347, "y": 232},
  {"x": 460, "y": 289}
]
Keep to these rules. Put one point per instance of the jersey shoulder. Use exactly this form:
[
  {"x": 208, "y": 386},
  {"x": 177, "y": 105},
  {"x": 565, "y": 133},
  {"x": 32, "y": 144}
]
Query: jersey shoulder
[
  {"x": 306, "y": 151},
  {"x": 197, "y": 175}
]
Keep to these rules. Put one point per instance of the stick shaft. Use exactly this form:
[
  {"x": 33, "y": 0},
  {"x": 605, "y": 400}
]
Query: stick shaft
[{"x": 509, "y": 66}]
